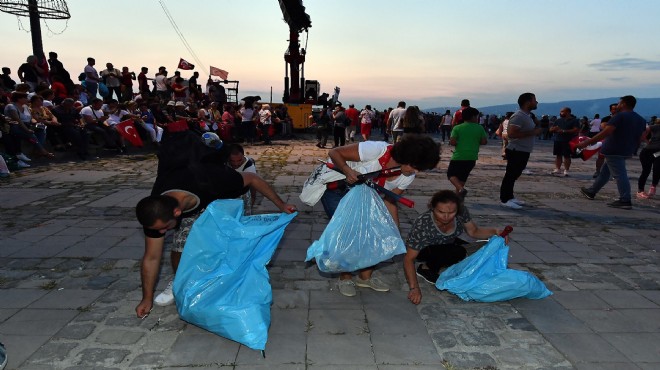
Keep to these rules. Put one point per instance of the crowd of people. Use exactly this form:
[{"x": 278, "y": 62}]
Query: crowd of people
[{"x": 46, "y": 111}]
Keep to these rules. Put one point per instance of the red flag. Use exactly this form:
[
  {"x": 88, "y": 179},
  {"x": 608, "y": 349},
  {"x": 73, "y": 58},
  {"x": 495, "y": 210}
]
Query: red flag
[
  {"x": 127, "y": 131},
  {"x": 219, "y": 72},
  {"x": 178, "y": 126},
  {"x": 184, "y": 64}
]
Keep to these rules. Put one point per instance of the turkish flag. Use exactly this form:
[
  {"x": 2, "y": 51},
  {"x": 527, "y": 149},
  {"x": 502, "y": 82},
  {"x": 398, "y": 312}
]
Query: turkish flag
[
  {"x": 178, "y": 126},
  {"x": 127, "y": 131},
  {"x": 219, "y": 72},
  {"x": 184, "y": 64}
]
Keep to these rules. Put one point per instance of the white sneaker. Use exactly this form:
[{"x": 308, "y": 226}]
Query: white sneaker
[
  {"x": 23, "y": 157},
  {"x": 565, "y": 173},
  {"x": 22, "y": 164},
  {"x": 518, "y": 201},
  {"x": 373, "y": 283},
  {"x": 165, "y": 298},
  {"x": 511, "y": 204},
  {"x": 555, "y": 172}
]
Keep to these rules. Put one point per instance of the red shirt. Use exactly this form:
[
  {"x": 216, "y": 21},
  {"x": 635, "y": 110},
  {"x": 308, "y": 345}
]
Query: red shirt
[
  {"x": 59, "y": 89},
  {"x": 354, "y": 115}
]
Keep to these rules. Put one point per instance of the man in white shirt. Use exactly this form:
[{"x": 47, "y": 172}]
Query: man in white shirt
[
  {"x": 395, "y": 121},
  {"x": 594, "y": 125},
  {"x": 110, "y": 76}
]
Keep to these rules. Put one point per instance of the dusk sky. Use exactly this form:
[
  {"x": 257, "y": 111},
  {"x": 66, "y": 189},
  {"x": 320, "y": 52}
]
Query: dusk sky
[{"x": 429, "y": 53}]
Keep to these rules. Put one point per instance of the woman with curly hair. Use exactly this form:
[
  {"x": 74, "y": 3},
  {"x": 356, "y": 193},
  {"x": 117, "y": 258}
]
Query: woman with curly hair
[{"x": 413, "y": 153}]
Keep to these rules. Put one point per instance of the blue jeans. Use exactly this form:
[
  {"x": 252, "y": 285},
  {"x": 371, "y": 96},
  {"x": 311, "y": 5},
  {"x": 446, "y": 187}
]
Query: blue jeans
[
  {"x": 615, "y": 166},
  {"x": 331, "y": 199}
]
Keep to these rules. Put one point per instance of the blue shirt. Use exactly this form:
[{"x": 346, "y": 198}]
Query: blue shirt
[{"x": 628, "y": 129}]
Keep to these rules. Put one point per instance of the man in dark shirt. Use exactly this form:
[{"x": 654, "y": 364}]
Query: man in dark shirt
[
  {"x": 564, "y": 129},
  {"x": 6, "y": 82},
  {"x": 73, "y": 130},
  {"x": 622, "y": 134},
  {"x": 190, "y": 176}
]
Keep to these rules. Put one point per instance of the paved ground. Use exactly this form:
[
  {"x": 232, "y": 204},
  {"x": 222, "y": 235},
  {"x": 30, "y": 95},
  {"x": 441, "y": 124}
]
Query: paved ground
[{"x": 69, "y": 279}]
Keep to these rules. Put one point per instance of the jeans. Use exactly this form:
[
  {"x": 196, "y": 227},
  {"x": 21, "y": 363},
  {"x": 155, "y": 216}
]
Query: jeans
[
  {"x": 92, "y": 88},
  {"x": 339, "y": 135},
  {"x": 331, "y": 199},
  {"x": 516, "y": 163},
  {"x": 615, "y": 166}
]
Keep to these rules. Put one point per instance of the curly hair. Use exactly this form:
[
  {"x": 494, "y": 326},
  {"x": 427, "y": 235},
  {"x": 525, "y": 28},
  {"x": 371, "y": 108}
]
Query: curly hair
[
  {"x": 154, "y": 208},
  {"x": 418, "y": 151}
]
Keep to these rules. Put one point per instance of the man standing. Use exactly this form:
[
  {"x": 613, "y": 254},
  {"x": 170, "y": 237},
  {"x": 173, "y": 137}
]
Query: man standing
[
  {"x": 354, "y": 116},
  {"x": 521, "y": 132},
  {"x": 564, "y": 128},
  {"x": 143, "y": 84},
  {"x": 466, "y": 137},
  {"x": 162, "y": 85},
  {"x": 458, "y": 115},
  {"x": 193, "y": 89},
  {"x": 445, "y": 125},
  {"x": 91, "y": 79},
  {"x": 110, "y": 76},
  {"x": 622, "y": 135},
  {"x": 395, "y": 121},
  {"x": 594, "y": 125}
]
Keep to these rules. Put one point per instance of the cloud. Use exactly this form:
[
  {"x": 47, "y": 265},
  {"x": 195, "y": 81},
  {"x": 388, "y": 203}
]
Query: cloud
[{"x": 626, "y": 64}]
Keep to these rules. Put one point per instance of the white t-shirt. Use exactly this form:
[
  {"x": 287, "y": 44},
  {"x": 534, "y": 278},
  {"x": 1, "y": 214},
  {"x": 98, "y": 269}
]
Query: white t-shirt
[
  {"x": 595, "y": 125},
  {"x": 88, "y": 111},
  {"x": 396, "y": 115},
  {"x": 247, "y": 114},
  {"x": 111, "y": 81},
  {"x": 161, "y": 83},
  {"x": 446, "y": 120},
  {"x": 369, "y": 152},
  {"x": 115, "y": 117}
]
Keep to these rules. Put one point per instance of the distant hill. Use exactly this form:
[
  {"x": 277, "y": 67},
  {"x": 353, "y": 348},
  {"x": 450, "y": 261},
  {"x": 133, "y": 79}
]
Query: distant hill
[{"x": 646, "y": 107}]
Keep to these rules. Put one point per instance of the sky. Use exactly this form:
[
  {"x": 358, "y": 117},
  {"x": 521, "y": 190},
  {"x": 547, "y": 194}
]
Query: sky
[{"x": 430, "y": 53}]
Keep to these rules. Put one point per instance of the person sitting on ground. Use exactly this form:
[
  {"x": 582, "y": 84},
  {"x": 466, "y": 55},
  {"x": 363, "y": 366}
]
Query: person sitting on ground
[
  {"x": 413, "y": 153},
  {"x": 190, "y": 176},
  {"x": 21, "y": 128},
  {"x": 433, "y": 240},
  {"x": 150, "y": 123},
  {"x": 95, "y": 118},
  {"x": 242, "y": 163},
  {"x": 466, "y": 137},
  {"x": 72, "y": 128}
]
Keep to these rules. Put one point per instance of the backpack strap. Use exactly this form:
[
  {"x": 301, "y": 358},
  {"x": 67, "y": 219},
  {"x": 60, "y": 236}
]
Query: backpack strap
[{"x": 383, "y": 162}]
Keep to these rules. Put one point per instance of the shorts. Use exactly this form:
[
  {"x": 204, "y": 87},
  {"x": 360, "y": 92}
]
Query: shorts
[
  {"x": 561, "y": 148},
  {"x": 365, "y": 129},
  {"x": 460, "y": 169},
  {"x": 181, "y": 234}
]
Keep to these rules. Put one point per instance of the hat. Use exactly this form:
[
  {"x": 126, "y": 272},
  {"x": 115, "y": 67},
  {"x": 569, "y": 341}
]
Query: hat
[
  {"x": 170, "y": 103},
  {"x": 338, "y": 103},
  {"x": 180, "y": 104}
]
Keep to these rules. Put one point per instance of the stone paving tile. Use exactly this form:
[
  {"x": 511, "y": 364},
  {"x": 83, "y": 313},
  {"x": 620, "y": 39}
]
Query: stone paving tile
[{"x": 590, "y": 261}]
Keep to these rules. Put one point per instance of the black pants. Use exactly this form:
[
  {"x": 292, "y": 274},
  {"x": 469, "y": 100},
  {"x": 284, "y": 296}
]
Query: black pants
[
  {"x": 321, "y": 135},
  {"x": 340, "y": 135},
  {"x": 648, "y": 161},
  {"x": 437, "y": 256},
  {"x": 446, "y": 130},
  {"x": 516, "y": 163},
  {"x": 78, "y": 137}
]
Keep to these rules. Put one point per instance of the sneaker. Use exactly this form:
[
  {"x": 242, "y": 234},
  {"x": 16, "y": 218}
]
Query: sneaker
[
  {"x": 373, "y": 283},
  {"x": 595, "y": 175},
  {"x": 428, "y": 275},
  {"x": 652, "y": 191},
  {"x": 23, "y": 157},
  {"x": 620, "y": 204},
  {"x": 511, "y": 204},
  {"x": 22, "y": 164},
  {"x": 587, "y": 194},
  {"x": 565, "y": 173},
  {"x": 555, "y": 171},
  {"x": 347, "y": 287},
  {"x": 642, "y": 195},
  {"x": 518, "y": 201},
  {"x": 165, "y": 298},
  {"x": 3, "y": 356}
]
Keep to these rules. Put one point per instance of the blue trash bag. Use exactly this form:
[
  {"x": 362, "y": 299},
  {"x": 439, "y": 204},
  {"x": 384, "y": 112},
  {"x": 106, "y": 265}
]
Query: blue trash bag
[
  {"x": 222, "y": 284},
  {"x": 484, "y": 277},
  {"x": 360, "y": 234}
]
